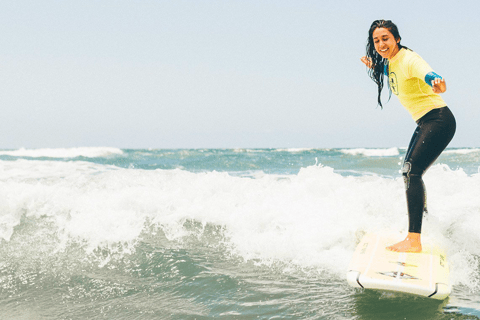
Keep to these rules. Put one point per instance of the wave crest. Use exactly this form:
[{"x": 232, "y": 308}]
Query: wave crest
[
  {"x": 87, "y": 152},
  {"x": 372, "y": 152}
]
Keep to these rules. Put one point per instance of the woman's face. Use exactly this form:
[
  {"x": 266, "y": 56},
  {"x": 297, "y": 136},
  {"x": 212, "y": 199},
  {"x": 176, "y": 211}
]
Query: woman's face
[{"x": 385, "y": 43}]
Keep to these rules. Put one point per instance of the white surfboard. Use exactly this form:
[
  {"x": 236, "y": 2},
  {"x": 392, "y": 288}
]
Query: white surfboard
[{"x": 374, "y": 267}]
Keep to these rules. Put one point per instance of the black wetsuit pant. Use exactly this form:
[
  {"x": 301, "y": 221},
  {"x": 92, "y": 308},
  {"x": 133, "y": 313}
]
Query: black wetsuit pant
[{"x": 434, "y": 131}]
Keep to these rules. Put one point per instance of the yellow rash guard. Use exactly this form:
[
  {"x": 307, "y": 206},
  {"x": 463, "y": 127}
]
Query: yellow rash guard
[{"x": 409, "y": 77}]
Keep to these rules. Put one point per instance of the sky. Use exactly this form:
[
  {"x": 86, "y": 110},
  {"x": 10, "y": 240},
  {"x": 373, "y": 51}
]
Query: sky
[{"x": 222, "y": 74}]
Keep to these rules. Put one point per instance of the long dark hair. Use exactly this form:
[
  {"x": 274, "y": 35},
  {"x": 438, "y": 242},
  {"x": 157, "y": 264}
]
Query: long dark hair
[{"x": 379, "y": 64}]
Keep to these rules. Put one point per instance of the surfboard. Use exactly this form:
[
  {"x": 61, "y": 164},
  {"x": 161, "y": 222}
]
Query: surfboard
[{"x": 374, "y": 267}]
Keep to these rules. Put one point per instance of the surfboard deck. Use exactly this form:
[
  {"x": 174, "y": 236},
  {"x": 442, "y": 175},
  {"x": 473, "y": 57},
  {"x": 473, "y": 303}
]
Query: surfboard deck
[{"x": 374, "y": 267}]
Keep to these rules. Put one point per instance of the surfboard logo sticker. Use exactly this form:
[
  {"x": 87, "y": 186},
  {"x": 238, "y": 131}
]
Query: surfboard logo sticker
[
  {"x": 398, "y": 275},
  {"x": 403, "y": 264},
  {"x": 364, "y": 248}
]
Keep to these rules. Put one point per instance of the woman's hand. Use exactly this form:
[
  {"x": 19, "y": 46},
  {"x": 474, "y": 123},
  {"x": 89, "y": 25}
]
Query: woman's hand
[
  {"x": 367, "y": 61},
  {"x": 439, "y": 85}
]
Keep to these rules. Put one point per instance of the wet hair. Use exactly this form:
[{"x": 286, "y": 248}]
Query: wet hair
[{"x": 379, "y": 64}]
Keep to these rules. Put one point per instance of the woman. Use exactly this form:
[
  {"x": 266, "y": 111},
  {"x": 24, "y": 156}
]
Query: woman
[{"x": 417, "y": 87}]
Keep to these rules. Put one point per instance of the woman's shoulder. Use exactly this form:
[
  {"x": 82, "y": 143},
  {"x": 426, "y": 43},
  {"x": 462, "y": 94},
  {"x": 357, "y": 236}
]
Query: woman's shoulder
[
  {"x": 416, "y": 65},
  {"x": 410, "y": 59},
  {"x": 411, "y": 55}
]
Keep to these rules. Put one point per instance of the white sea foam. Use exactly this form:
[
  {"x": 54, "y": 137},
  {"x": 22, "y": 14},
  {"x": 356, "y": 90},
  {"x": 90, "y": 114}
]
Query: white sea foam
[
  {"x": 295, "y": 150},
  {"x": 292, "y": 150},
  {"x": 312, "y": 219},
  {"x": 87, "y": 152},
  {"x": 462, "y": 151},
  {"x": 372, "y": 152}
]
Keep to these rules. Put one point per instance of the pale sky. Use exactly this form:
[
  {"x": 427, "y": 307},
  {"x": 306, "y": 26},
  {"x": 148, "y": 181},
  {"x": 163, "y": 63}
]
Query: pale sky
[{"x": 221, "y": 74}]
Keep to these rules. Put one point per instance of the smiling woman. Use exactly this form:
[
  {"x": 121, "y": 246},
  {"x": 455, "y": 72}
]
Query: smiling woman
[
  {"x": 385, "y": 43},
  {"x": 417, "y": 87}
]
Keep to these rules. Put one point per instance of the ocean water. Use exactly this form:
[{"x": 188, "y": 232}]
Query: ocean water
[{"x": 105, "y": 233}]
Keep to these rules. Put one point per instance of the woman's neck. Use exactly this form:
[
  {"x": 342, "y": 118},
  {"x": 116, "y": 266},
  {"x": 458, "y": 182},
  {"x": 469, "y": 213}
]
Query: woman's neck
[{"x": 394, "y": 54}]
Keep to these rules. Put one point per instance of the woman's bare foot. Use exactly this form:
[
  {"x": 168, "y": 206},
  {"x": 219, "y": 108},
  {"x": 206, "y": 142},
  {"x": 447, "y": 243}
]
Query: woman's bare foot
[{"x": 412, "y": 243}]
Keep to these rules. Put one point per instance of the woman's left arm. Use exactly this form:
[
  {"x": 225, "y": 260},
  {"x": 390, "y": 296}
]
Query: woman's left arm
[
  {"x": 439, "y": 85},
  {"x": 436, "y": 81}
]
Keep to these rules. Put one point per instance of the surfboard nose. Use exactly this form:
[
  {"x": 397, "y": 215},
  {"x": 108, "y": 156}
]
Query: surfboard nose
[
  {"x": 353, "y": 279},
  {"x": 374, "y": 267}
]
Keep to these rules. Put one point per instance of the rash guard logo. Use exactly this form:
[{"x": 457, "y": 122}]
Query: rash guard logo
[{"x": 392, "y": 81}]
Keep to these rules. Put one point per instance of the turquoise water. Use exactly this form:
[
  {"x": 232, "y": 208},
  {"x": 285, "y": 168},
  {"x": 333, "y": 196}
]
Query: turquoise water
[{"x": 105, "y": 233}]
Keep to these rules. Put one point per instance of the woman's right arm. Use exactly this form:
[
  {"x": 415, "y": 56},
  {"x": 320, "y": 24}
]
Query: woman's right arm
[{"x": 366, "y": 61}]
